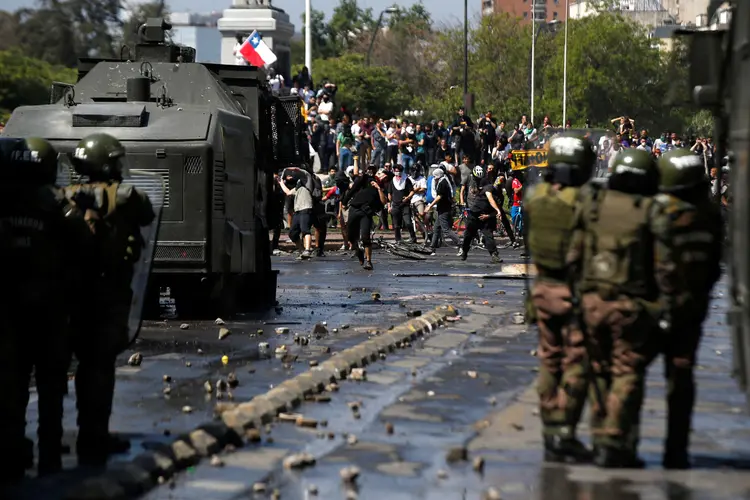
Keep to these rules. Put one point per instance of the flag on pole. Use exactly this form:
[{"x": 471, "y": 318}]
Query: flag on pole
[{"x": 256, "y": 52}]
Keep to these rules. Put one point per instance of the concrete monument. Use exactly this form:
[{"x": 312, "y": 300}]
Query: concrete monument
[{"x": 271, "y": 22}]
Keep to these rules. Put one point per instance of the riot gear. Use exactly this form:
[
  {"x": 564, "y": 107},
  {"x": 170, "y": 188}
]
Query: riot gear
[
  {"x": 680, "y": 169},
  {"x": 100, "y": 157},
  {"x": 634, "y": 172},
  {"x": 32, "y": 160},
  {"x": 570, "y": 160}
]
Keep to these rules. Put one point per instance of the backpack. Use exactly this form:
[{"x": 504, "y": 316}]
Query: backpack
[
  {"x": 429, "y": 195},
  {"x": 315, "y": 186}
]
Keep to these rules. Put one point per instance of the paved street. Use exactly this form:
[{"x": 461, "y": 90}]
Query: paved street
[{"x": 466, "y": 388}]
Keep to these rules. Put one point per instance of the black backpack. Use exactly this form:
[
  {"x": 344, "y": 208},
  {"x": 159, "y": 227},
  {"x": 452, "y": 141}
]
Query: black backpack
[{"x": 315, "y": 186}]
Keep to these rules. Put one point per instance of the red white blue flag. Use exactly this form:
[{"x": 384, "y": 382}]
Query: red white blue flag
[{"x": 256, "y": 52}]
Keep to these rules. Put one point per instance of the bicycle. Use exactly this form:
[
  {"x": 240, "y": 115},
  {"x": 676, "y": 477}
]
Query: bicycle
[{"x": 399, "y": 249}]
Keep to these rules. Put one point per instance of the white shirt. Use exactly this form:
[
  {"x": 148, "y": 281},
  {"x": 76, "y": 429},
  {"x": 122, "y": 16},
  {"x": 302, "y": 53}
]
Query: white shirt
[
  {"x": 239, "y": 60},
  {"x": 325, "y": 108},
  {"x": 391, "y": 133},
  {"x": 421, "y": 182},
  {"x": 356, "y": 129},
  {"x": 276, "y": 82}
]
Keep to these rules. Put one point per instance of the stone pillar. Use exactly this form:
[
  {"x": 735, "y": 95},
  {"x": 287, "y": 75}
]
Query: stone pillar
[{"x": 273, "y": 25}]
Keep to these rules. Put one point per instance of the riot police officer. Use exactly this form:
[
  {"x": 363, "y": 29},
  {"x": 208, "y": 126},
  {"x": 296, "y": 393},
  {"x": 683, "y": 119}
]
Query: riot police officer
[
  {"x": 563, "y": 377},
  {"x": 46, "y": 251},
  {"x": 616, "y": 267},
  {"x": 695, "y": 241},
  {"x": 116, "y": 212}
]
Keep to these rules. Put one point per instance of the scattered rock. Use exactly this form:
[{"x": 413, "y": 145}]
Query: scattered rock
[
  {"x": 413, "y": 314},
  {"x": 259, "y": 488},
  {"x": 491, "y": 493},
  {"x": 252, "y": 435},
  {"x": 354, "y": 405},
  {"x": 167, "y": 379},
  {"x": 224, "y": 333},
  {"x": 320, "y": 329},
  {"x": 289, "y": 417},
  {"x": 188, "y": 364},
  {"x": 478, "y": 465},
  {"x": 351, "y": 439},
  {"x": 453, "y": 319},
  {"x": 472, "y": 374},
  {"x": 281, "y": 350},
  {"x": 349, "y": 474},
  {"x": 413, "y": 372},
  {"x": 493, "y": 401},
  {"x": 312, "y": 490},
  {"x": 184, "y": 326},
  {"x": 324, "y": 423},
  {"x": 187, "y": 409},
  {"x": 442, "y": 474},
  {"x": 480, "y": 285},
  {"x": 356, "y": 415},
  {"x": 375, "y": 296},
  {"x": 335, "y": 330},
  {"x": 457, "y": 454},
  {"x": 313, "y": 362},
  {"x": 259, "y": 331},
  {"x": 298, "y": 461},
  {"x": 167, "y": 391},
  {"x": 208, "y": 387},
  {"x": 199, "y": 351},
  {"x": 232, "y": 380},
  {"x": 331, "y": 435},
  {"x": 518, "y": 319},
  {"x": 216, "y": 461},
  {"x": 221, "y": 385},
  {"x": 533, "y": 352},
  {"x": 218, "y": 321},
  {"x": 382, "y": 356},
  {"x": 306, "y": 422},
  {"x": 332, "y": 387},
  {"x": 535, "y": 412},
  {"x": 430, "y": 393},
  {"x": 517, "y": 427},
  {"x": 344, "y": 327},
  {"x": 359, "y": 374},
  {"x": 319, "y": 398},
  {"x": 469, "y": 302},
  {"x": 136, "y": 359},
  {"x": 500, "y": 292},
  {"x": 282, "y": 330},
  {"x": 388, "y": 428},
  {"x": 276, "y": 495}
]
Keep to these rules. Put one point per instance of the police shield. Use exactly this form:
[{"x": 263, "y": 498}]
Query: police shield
[{"x": 152, "y": 185}]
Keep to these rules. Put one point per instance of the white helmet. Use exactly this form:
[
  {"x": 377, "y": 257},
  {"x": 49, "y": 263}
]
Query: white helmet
[{"x": 478, "y": 171}]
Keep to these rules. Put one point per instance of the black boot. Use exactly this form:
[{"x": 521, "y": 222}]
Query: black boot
[
  {"x": 615, "y": 458},
  {"x": 565, "y": 450},
  {"x": 676, "y": 460},
  {"x": 28, "y": 453},
  {"x": 118, "y": 444}
]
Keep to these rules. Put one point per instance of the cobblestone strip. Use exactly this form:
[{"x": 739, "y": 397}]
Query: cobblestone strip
[{"x": 131, "y": 479}]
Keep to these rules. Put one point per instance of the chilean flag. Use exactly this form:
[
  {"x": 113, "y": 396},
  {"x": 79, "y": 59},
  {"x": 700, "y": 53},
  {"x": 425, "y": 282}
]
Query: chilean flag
[{"x": 256, "y": 52}]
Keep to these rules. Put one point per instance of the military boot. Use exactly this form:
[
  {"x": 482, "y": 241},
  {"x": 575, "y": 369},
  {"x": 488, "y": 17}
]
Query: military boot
[
  {"x": 609, "y": 457},
  {"x": 567, "y": 450},
  {"x": 676, "y": 460}
]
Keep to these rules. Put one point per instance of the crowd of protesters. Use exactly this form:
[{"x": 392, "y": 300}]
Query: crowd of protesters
[{"x": 433, "y": 180}]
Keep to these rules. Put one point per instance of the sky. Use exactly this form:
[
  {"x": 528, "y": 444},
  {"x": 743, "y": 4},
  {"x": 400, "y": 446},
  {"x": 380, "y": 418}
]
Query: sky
[{"x": 442, "y": 11}]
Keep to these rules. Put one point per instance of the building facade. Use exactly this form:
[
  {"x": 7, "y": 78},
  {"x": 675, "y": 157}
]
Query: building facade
[
  {"x": 200, "y": 32},
  {"x": 545, "y": 10}
]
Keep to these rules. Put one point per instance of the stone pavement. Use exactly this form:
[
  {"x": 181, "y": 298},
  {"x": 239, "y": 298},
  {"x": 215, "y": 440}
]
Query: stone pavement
[{"x": 469, "y": 389}]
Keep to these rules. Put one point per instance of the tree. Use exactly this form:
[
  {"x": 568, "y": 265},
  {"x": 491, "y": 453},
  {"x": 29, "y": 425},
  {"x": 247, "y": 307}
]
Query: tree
[
  {"x": 375, "y": 89},
  {"x": 413, "y": 19},
  {"x": 347, "y": 23},
  {"x": 322, "y": 44},
  {"x": 25, "y": 81}
]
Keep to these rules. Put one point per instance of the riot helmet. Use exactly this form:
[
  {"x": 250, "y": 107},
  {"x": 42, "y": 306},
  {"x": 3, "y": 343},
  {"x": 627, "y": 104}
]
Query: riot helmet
[
  {"x": 635, "y": 172},
  {"x": 570, "y": 160},
  {"x": 680, "y": 169},
  {"x": 32, "y": 160},
  {"x": 100, "y": 157}
]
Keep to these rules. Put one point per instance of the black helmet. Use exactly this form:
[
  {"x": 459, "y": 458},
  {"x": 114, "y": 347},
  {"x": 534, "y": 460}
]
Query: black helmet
[
  {"x": 571, "y": 159},
  {"x": 100, "y": 157},
  {"x": 32, "y": 160},
  {"x": 634, "y": 171}
]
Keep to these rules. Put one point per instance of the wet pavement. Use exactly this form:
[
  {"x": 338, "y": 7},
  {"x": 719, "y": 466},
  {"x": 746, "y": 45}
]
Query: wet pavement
[{"x": 468, "y": 386}]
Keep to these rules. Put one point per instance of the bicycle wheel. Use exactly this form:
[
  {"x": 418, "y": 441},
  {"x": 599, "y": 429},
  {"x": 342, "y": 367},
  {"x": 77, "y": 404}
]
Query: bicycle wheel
[{"x": 406, "y": 254}]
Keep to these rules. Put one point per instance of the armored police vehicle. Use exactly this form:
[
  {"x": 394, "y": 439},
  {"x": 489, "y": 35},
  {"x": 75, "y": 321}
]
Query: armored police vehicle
[
  {"x": 719, "y": 71},
  {"x": 215, "y": 135}
]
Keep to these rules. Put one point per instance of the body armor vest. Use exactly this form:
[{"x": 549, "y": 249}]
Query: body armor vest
[
  {"x": 618, "y": 246},
  {"x": 696, "y": 242},
  {"x": 552, "y": 218},
  {"x": 117, "y": 234}
]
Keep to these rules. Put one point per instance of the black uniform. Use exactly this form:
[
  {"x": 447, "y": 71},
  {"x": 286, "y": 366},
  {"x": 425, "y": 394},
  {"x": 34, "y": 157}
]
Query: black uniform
[
  {"x": 47, "y": 251},
  {"x": 364, "y": 202}
]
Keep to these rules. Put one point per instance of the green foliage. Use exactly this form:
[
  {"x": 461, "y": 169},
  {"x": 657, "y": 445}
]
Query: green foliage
[
  {"x": 348, "y": 22},
  {"x": 375, "y": 89},
  {"x": 701, "y": 124},
  {"x": 24, "y": 80}
]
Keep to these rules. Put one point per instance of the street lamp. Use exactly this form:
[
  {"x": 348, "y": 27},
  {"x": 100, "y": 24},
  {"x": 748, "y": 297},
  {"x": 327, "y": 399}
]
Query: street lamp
[
  {"x": 389, "y": 10},
  {"x": 565, "y": 65},
  {"x": 308, "y": 36}
]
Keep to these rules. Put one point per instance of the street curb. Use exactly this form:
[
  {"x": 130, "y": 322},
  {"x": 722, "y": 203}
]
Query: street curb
[{"x": 133, "y": 478}]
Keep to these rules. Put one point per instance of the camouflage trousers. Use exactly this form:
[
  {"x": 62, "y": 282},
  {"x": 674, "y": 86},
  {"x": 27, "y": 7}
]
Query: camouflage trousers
[
  {"x": 679, "y": 347},
  {"x": 563, "y": 375},
  {"x": 619, "y": 330}
]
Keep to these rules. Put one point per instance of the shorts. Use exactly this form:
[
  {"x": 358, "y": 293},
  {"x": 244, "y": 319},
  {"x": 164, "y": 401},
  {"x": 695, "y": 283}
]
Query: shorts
[
  {"x": 345, "y": 214},
  {"x": 419, "y": 206},
  {"x": 302, "y": 224}
]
